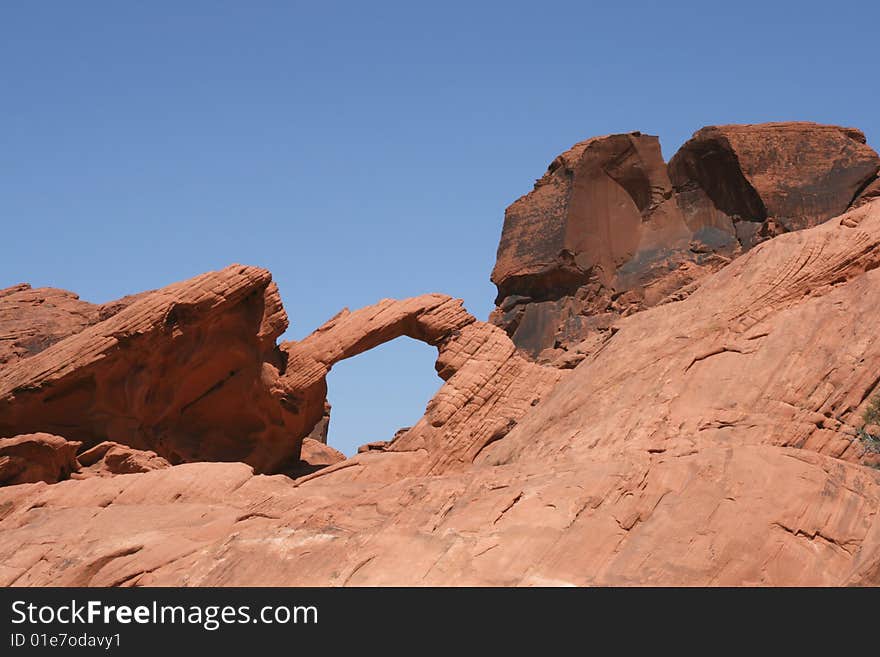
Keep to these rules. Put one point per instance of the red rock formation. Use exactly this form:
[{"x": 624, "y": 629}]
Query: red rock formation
[
  {"x": 488, "y": 387},
  {"x": 608, "y": 231},
  {"x": 36, "y": 457},
  {"x": 190, "y": 371},
  {"x": 795, "y": 174},
  {"x": 314, "y": 455},
  {"x": 109, "y": 458},
  {"x": 777, "y": 349},
  {"x": 871, "y": 192},
  {"x": 715, "y": 439},
  {"x": 33, "y": 320}
]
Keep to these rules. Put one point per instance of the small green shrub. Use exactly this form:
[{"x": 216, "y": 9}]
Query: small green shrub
[
  {"x": 872, "y": 413},
  {"x": 869, "y": 417}
]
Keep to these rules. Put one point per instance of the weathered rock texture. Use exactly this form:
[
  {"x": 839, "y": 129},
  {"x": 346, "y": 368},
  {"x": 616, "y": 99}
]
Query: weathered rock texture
[
  {"x": 190, "y": 372},
  {"x": 314, "y": 455},
  {"x": 109, "y": 458},
  {"x": 487, "y": 389},
  {"x": 32, "y": 320},
  {"x": 36, "y": 457},
  {"x": 611, "y": 229},
  {"x": 715, "y": 439}
]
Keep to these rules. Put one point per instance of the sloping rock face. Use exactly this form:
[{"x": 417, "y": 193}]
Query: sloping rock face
[
  {"x": 610, "y": 229},
  {"x": 190, "y": 372},
  {"x": 32, "y": 320},
  {"x": 710, "y": 441},
  {"x": 778, "y": 348}
]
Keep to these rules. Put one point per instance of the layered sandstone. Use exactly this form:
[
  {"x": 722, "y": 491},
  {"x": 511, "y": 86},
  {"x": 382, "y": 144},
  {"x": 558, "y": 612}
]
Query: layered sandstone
[
  {"x": 190, "y": 372},
  {"x": 487, "y": 389},
  {"x": 32, "y": 320},
  {"x": 610, "y": 229},
  {"x": 709, "y": 427},
  {"x": 709, "y": 442}
]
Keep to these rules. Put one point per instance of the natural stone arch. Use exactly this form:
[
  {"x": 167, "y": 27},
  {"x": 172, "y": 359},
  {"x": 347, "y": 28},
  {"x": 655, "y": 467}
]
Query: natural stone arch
[
  {"x": 488, "y": 386},
  {"x": 192, "y": 372}
]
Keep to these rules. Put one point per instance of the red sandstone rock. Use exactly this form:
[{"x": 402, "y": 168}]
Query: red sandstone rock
[
  {"x": 798, "y": 174},
  {"x": 31, "y": 320},
  {"x": 713, "y": 438},
  {"x": 723, "y": 516},
  {"x": 36, "y": 457},
  {"x": 608, "y": 232},
  {"x": 190, "y": 372},
  {"x": 778, "y": 348},
  {"x": 109, "y": 458},
  {"x": 375, "y": 446},
  {"x": 314, "y": 455},
  {"x": 870, "y": 193},
  {"x": 488, "y": 387},
  {"x": 707, "y": 442}
]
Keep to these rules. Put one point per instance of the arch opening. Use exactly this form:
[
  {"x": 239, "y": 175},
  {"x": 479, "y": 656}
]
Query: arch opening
[{"x": 376, "y": 393}]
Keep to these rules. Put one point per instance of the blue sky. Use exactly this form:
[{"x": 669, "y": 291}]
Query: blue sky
[{"x": 364, "y": 150}]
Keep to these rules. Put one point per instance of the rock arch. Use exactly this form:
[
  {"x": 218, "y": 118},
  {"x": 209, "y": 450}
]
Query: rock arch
[
  {"x": 488, "y": 387},
  {"x": 193, "y": 373}
]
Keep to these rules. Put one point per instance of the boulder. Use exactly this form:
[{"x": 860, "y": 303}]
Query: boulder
[
  {"x": 109, "y": 458},
  {"x": 313, "y": 456},
  {"x": 29, "y": 458}
]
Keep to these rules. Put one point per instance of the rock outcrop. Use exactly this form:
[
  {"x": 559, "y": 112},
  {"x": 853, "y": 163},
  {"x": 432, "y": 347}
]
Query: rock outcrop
[
  {"x": 778, "y": 349},
  {"x": 32, "y": 320},
  {"x": 314, "y": 455},
  {"x": 709, "y": 427},
  {"x": 36, "y": 457},
  {"x": 487, "y": 389},
  {"x": 610, "y": 229},
  {"x": 191, "y": 372},
  {"x": 796, "y": 175},
  {"x": 109, "y": 458}
]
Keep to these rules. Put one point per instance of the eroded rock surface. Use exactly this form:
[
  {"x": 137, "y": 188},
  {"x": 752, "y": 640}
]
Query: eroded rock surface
[
  {"x": 714, "y": 436},
  {"x": 794, "y": 174},
  {"x": 778, "y": 348},
  {"x": 753, "y": 515},
  {"x": 314, "y": 455},
  {"x": 36, "y": 457},
  {"x": 610, "y": 229},
  {"x": 109, "y": 458},
  {"x": 32, "y": 320},
  {"x": 488, "y": 387},
  {"x": 190, "y": 372}
]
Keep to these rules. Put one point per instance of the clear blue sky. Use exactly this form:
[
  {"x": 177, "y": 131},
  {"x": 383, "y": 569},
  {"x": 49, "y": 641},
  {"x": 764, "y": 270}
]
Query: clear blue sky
[{"x": 364, "y": 150}]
